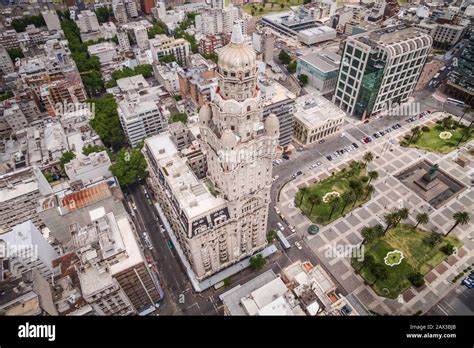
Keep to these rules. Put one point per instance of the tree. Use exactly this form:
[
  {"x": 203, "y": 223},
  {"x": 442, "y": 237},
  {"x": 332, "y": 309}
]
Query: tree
[
  {"x": 460, "y": 218},
  {"x": 257, "y": 262},
  {"x": 368, "y": 262},
  {"x": 15, "y": 53},
  {"x": 282, "y": 6},
  {"x": 356, "y": 187},
  {"x": 271, "y": 235},
  {"x": 107, "y": 122},
  {"x": 314, "y": 199},
  {"x": 434, "y": 239},
  {"x": 416, "y": 279},
  {"x": 227, "y": 282},
  {"x": 425, "y": 129},
  {"x": 303, "y": 79},
  {"x": 87, "y": 150},
  {"x": 211, "y": 56},
  {"x": 391, "y": 219},
  {"x": 414, "y": 133},
  {"x": 20, "y": 24},
  {"x": 465, "y": 133},
  {"x": 158, "y": 28},
  {"x": 291, "y": 67},
  {"x": 284, "y": 57},
  {"x": 167, "y": 58},
  {"x": 421, "y": 218},
  {"x": 67, "y": 157},
  {"x": 379, "y": 271},
  {"x": 373, "y": 175},
  {"x": 6, "y": 95},
  {"x": 334, "y": 201},
  {"x": 448, "y": 249},
  {"x": 369, "y": 190},
  {"x": 368, "y": 157},
  {"x": 402, "y": 214},
  {"x": 103, "y": 14},
  {"x": 346, "y": 198},
  {"x": 371, "y": 233},
  {"x": 179, "y": 117},
  {"x": 303, "y": 192},
  {"x": 129, "y": 167}
]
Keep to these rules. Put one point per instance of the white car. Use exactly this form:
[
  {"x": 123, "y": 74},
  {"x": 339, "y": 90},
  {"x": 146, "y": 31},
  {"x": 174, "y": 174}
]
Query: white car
[
  {"x": 275, "y": 178},
  {"x": 292, "y": 228},
  {"x": 277, "y": 210},
  {"x": 298, "y": 245},
  {"x": 280, "y": 226}
]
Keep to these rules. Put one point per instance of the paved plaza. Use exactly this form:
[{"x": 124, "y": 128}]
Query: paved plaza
[{"x": 389, "y": 194}]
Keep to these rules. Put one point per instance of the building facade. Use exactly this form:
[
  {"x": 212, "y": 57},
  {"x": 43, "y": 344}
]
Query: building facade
[
  {"x": 221, "y": 222},
  {"x": 321, "y": 68},
  {"x": 380, "y": 68}
]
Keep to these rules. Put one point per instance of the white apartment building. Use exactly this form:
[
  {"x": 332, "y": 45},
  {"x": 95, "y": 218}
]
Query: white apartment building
[
  {"x": 444, "y": 35},
  {"x": 89, "y": 168},
  {"x": 120, "y": 12},
  {"x": 217, "y": 21},
  {"x": 6, "y": 64},
  {"x": 141, "y": 36},
  {"x": 163, "y": 45},
  {"x": 123, "y": 41},
  {"x": 106, "y": 51},
  {"x": 315, "y": 119},
  {"x": 167, "y": 76},
  {"x": 131, "y": 7},
  {"x": 379, "y": 68},
  {"x": 27, "y": 249},
  {"x": 223, "y": 220},
  {"x": 19, "y": 195},
  {"x": 87, "y": 21},
  {"x": 51, "y": 19},
  {"x": 140, "y": 112}
]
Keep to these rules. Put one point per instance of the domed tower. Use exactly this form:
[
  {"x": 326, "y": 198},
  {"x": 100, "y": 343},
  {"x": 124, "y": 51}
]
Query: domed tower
[{"x": 240, "y": 148}]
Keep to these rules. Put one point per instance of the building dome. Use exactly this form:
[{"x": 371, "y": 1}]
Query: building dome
[
  {"x": 272, "y": 125},
  {"x": 228, "y": 139},
  {"x": 237, "y": 56},
  {"x": 205, "y": 114}
]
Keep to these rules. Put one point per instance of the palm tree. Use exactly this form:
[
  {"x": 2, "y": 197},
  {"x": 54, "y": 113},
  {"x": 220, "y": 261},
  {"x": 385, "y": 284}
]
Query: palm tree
[
  {"x": 379, "y": 271},
  {"x": 391, "y": 220},
  {"x": 314, "y": 200},
  {"x": 369, "y": 190},
  {"x": 303, "y": 191},
  {"x": 334, "y": 202},
  {"x": 368, "y": 234},
  {"x": 422, "y": 218},
  {"x": 369, "y": 261},
  {"x": 414, "y": 132},
  {"x": 466, "y": 132},
  {"x": 373, "y": 175},
  {"x": 425, "y": 129},
  {"x": 402, "y": 214},
  {"x": 368, "y": 157},
  {"x": 346, "y": 198},
  {"x": 460, "y": 218},
  {"x": 465, "y": 110}
]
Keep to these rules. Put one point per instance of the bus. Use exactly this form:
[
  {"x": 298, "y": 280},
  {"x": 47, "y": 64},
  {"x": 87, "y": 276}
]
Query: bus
[
  {"x": 284, "y": 242},
  {"x": 455, "y": 102}
]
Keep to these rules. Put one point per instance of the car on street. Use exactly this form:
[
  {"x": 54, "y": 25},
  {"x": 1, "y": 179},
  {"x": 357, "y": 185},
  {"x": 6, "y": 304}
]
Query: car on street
[
  {"x": 300, "y": 148},
  {"x": 314, "y": 165},
  {"x": 286, "y": 157},
  {"x": 298, "y": 173},
  {"x": 329, "y": 158},
  {"x": 321, "y": 141},
  {"x": 170, "y": 244},
  {"x": 280, "y": 226},
  {"x": 277, "y": 210},
  {"x": 355, "y": 145},
  {"x": 292, "y": 228},
  {"x": 275, "y": 178},
  {"x": 468, "y": 282},
  {"x": 298, "y": 245}
]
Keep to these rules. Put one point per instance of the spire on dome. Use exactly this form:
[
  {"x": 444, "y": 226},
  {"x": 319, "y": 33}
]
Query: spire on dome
[{"x": 237, "y": 37}]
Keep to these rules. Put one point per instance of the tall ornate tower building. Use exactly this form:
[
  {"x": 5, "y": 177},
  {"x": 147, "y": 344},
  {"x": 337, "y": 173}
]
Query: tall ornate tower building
[{"x": 223, "y": 219}]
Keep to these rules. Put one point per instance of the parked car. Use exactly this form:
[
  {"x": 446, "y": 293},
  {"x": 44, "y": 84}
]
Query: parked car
[
  {"x": 321, "y": 141},
  {"x": 468, "y": 282},
  {"x": 355, "y": 145},
  {"x": 277, "y": 210},
  {"x": 298, "y": 173},
  {"x": 298, "y": 245},
  {"x": 275, "y": 178},
  {"x": 280, "y": 226},
  {"x": 292, "y": 228},
  {"x": 285, "y": 157},
  {"x": 329, "y": 158}
]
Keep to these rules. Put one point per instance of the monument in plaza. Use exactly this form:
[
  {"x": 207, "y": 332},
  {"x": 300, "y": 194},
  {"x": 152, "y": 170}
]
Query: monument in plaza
[{"x": 430, "y": 183}]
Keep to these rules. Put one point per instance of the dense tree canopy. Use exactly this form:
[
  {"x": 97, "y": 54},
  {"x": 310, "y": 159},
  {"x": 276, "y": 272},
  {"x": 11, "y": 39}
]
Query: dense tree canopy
[
  {"x": 15, "y": 53},
  {"x": 106, "y": 122},
  {"x": 145, "y": 69},
  {"x": 19, "y": 24},
  {"x": 129, "y": 167},
  {"x": 87, "y": 150}
]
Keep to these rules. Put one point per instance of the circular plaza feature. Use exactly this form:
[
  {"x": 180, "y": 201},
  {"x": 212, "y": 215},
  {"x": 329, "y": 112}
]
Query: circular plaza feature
[{"x": 393, "y": 258}]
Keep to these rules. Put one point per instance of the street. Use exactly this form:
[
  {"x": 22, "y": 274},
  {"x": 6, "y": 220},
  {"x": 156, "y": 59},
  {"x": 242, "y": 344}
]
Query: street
[{"x": 460, "y": 301}]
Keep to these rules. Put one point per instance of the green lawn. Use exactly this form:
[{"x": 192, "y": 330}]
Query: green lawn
[
  {"x": 271, "y": 6},
  {"x": 431, "y": 141},
  {"x": 419, "y": 256},
  {"x": 339, "y": 183}
]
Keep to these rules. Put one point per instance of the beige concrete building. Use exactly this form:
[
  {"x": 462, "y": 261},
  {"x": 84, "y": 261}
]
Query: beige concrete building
[
  {"x": 222, "y": 219},
  {"x": 315, "y": 119}
]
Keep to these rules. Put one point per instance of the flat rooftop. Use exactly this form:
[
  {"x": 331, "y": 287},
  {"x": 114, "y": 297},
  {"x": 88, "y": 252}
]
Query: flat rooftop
[
  {"x": 313, "y": 110},
  {"x": 192, "y": 195},
  {"x": 324, "y": 61}
]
